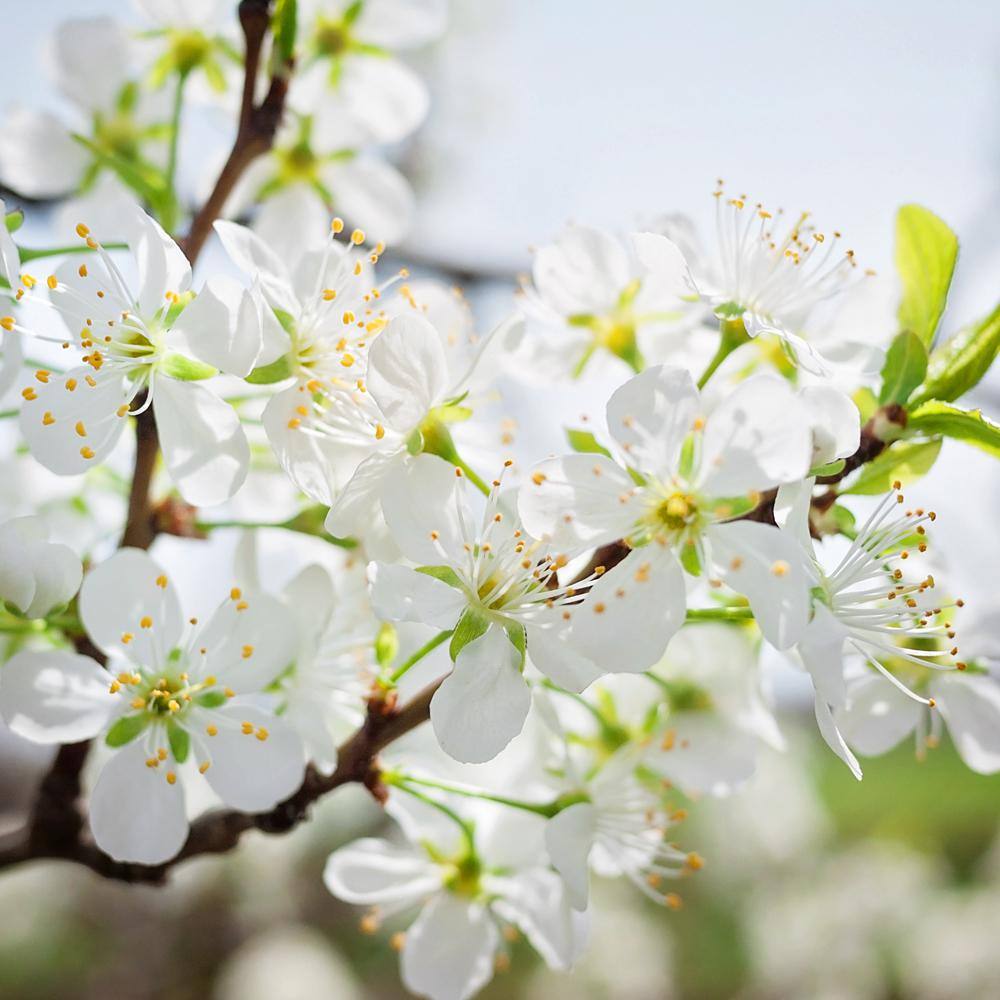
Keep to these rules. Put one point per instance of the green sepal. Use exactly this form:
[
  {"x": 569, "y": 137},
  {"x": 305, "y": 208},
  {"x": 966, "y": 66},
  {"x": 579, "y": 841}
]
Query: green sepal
[
  {"x": 443, "y": 573},
  {"x": 518, "y": 639},
  {"x": 729, "y": 311},
  {"x": 585, "y": 442},
  {"x": 969, "y": 426},
  {"x": 470, "y": 627},
  {"x": 830, "y": 469},
  {"x": 276, "y": 371},
  {"x": 386, "y": 645},
  {"x": 959, "y": 364},
  {"x": 845, "y": 521},
  {"x": 180, "y": 742},
  {"x": 415, "y": 443},
  {"x": 690, "y": 559},
  {"x": 13, "y": 220},
  {"x": 926, "y": 250},
  {"x": 126, "y": 729},
  {"x": 211, "y": 699},
  {"x": 905, "y": 461},
  {"x": 186, "y": 369},
  {"x": 904, "y": 369}
]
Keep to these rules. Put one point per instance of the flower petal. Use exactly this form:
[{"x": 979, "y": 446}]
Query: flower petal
[
  {"x": 877, "y": 716},
  {"x": 831, "y": 734},
  {"x": 373, "y": 195},
  {"x": 970, "y": 704},
  {"x": 36, "y": 575},
  {"x": 204, "y": 447},
  {"x": 583, "y": 272},
  {"x": 651, "y": 414},
  {"x": 257, "y": 260},
  {"x": 836, "y": 423},
  {"x": 136, "y": 815},
  {"x": 449, "y": 949},
  {"x": 371, "y": 871},
  {"x": 49, "y": 696},
  {"x": 401, "y": 24},
  {"x": 128, "y": 594},
  {"x": 665, "y": 261},
  {"x": 569, "y": 836},
  {"x": 767, "y": 566},
  {"x": 822, "y": 650},
  {"x": 161, "y": 263},
  {"x": 38, "y": 156},
  {"x": 248, "y": 772},
  {"x": 401, "y": 594},
  {"x": 482, "y": 704},
  {"x": 559, "y": 661}
]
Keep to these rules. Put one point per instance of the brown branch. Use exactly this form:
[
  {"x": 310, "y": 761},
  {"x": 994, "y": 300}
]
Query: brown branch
[{"x": 57, "y": 824}]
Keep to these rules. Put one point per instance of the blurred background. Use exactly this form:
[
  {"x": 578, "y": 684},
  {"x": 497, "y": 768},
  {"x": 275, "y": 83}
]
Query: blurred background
[{"x": 815, "y": 886}]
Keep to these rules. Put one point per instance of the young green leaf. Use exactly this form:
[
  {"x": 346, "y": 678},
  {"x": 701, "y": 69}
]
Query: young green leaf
[
  {"x": 969, "y": 426},
  {"x": 904, "y": 369},
  {"x": 905, "y": 461},
  {"x": 959, "y": 363},
  {"x": 926, "y": 250}
]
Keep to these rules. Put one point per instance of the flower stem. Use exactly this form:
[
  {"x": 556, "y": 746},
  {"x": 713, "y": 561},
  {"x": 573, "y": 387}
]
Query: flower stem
[
  {"x": 538, "y": 808},
  {"x": 732, "y": 334},
  {"x": 168, "y": 214},
  {"x": 425, "y": 649},
  {"x": 719, "y": 615}
]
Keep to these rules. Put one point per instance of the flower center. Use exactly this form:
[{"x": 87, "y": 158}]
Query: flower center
[{"x": 332, "y": 37}]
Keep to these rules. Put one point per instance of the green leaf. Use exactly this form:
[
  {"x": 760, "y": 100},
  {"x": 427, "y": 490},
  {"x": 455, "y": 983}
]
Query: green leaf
[
  {"x": 285, "y": 26},
  {"x": 865, "y": 401},
  {"x": 905, "y": 460},
  {"x": 180, "y": 742},
  {"x": 186, "y": 369},
  {"x": 845, "y": 521},
  {"x": 926, "y": 250},
  {"x": 211, "y": 699},
  {"x": 13, "y": 220},
  {"x": 584, "y": 441},
  {"x": 904, "y": 369},
  {"x": 443, "y": 573},
  {"x": 830, "y": 469},
  {"x": 126, "y": 729},
  {"x": 471, "y": 626},
  {"x": 386, "y": 645},
  {"x": 969, "y": 426},
  {"x": 276, "y": 371},
  {"x": 960, "y": 363},
  {"x": 518, "y": 638}
]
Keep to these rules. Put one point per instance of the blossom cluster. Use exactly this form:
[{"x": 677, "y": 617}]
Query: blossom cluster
[{"x": 595, "y": 626}]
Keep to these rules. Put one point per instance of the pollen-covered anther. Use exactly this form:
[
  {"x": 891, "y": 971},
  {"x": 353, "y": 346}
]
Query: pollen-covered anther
[
  {"x": 262, "y": 734},
  {"x": 780, "y": 568},
  {"x": 246, "y": 652},
  {"x": 695, "y": 861},
  {"x": 145, "y": 622},
  {"x": 247, "y": 728}
]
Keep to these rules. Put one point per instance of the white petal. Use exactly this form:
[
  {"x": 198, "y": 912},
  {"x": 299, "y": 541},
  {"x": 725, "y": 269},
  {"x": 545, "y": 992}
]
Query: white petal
[
  {"x": 651, "y": 414},
  {"x": 401, "y": 24},
  {"x": 256, "y": 259},
  {"x": 665, "y": 261},
  {"x": 55, "y": 697},
  {"x": 115, "y": 598},
  {"x": 583, "y": 272},
  {"x": 254, "y": 774},
  {"x": 310, "y": 595},
  {"x": 52, "y": 421},
  {"x": 248, "y": 643},
  {"x": 36, "y": 575},
  {"x": 830, "y": 733},
  {"x": 407, "y": 371},
  {"x": 449, "y": 949},
  {"x": 569, "y": 836},
  {"x": 204, "y": 447},
  {"x": 11, "y": 354},
  {"x": 38, "y": 156},
  {"x": 483, "y": 702},
  {"x": 90, "y": 61},
  {"x": 401, "y": 594},
  {"x": 822, "y": 650},
  {"x": 135, "y": 814},
  {"x": 10, "y": 268},
  {"x": 758, "y": 437},
  {"x": 221, "y": 327},
  {"x": 631, "y": 612},
  {"x": 418, "y": 499},
  {"x": 767, "y": 566},
  {"x": 161, "y": 263},
  {"x": 372, "y": 195},
  {"x": 559, "y": 661},
  {"x": 877, "y": 717},
  {"x": 372, "y": 871},
  {"x": 579, "y": 499},
  {"x": 290, "y": 222},
  {"x": 358, "y": 506},
  {"x": 970, "y": 704},
  {"x": 836, "y": 423}
]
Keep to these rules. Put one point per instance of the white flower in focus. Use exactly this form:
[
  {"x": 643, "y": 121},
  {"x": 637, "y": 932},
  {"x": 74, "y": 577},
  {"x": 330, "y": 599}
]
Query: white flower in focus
[
  {"x": 36, "y": 575},
  {"x": 137, "y": 338},
  {"x": 173, "y": 698},
  {"x": 870, "y": 607},
  {"x": 591, "y": 293},
  {"x": 10, "y": 344},
  {"x": 469, "y": 890},
  {"x": 618, "y": 827},
  {"x": 682, "y": 476},
  {"x": 481, "y": 575}
]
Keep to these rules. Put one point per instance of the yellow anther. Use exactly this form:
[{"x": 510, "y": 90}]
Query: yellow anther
[
  {"x": 29, "y": 393},
  {"x": 82, "y": 231},
  {"x": 262, "y": 734},
  {"x": 82, "y": 270},
  {"x": 138, "y": 703},
  {"x": 87, "y": 452},
  {"x": 28, "y": 281},
  {"x": 115, "y": 687},
  {"x": 246, "y": 652},
  {"x": 122, "y": 410},
  {"x": 780, "y": 568},
  {"x": 242, "y": 606},
  {"x": 47, "y": 419},
  {"x": 70, "y": 384},
  {"x": 347, "y": 360},
  {"x": 247, "y": 728},
  {"x": 337, "y": 225},
  {"x": 358, "y": 237},
  {"x": 202, "y": 768},
  {"x": 52, "y": 282},
  {"x": 171, "y": 778},
  {"x": 329, "y": 294},
  {"x": 212, "y": 730},
  {"x": 80, "y": 429},
  {"x": 173, "y": 705},
  {"x": 7, "y": 322},
  {"x": 145, "y": 622},
  {"x": 695, "y": 861},
  {"x": 161, "y": 582},
  {"x": 127, "y": 637},
  {"x": 294, "y": 423}
]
